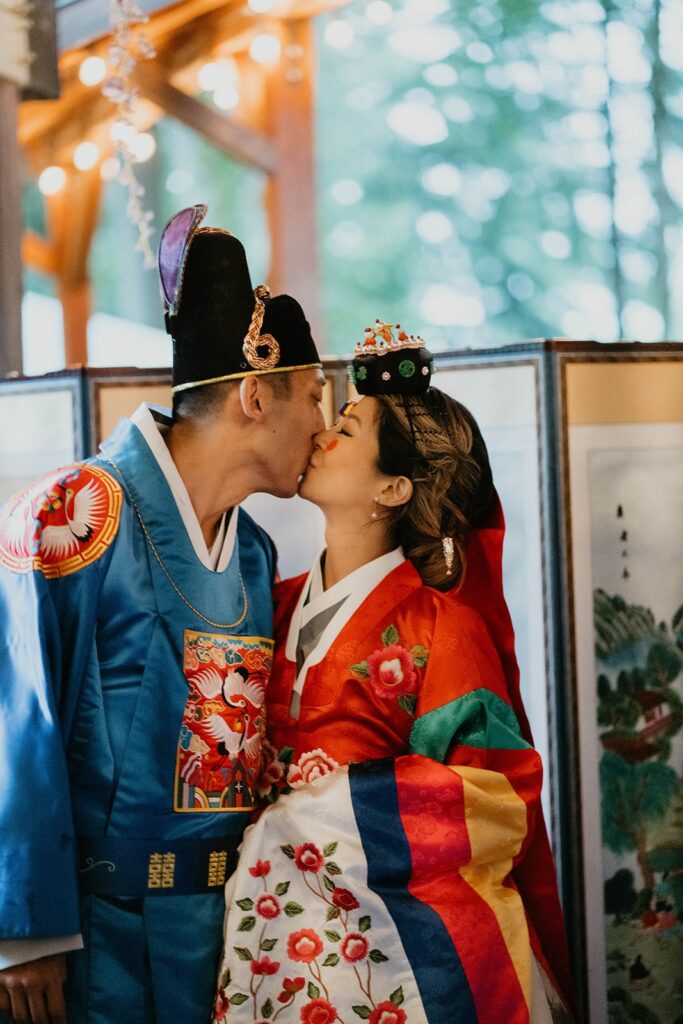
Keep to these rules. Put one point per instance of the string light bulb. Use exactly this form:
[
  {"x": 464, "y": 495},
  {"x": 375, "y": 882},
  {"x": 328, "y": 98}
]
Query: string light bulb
[
  {"x": 265, "y": 48},
  {"x": 226, "y": 97},
  {"x": 110, "y": 169},
  {"x": 52, "y": 180},
  {"x": 92, "y": 70},
  {"x": 86, "y": 155},
  {"x": 142, "y": 147}
]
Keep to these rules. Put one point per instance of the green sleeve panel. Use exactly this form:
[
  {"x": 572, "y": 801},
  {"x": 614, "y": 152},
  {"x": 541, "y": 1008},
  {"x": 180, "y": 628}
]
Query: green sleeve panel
[{"x": 477, "y": 719}]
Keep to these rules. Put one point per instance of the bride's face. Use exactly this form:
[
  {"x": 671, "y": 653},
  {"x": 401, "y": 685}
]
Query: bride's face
[{"x": 342, "y": 471}]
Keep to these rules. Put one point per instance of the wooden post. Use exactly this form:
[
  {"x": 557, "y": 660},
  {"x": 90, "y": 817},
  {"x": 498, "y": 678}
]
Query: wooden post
[
  {"x": 11, "y": 285},
  {"x": 72, "y": 215},
  {"x": 292, "y": 192}
]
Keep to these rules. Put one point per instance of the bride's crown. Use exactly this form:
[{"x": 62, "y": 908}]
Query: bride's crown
[{"x": 390, "y": 361}]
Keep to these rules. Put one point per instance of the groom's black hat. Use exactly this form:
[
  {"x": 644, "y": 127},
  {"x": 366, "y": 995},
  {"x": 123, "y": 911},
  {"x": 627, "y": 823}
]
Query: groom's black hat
[{"x": 223, "y": 328}]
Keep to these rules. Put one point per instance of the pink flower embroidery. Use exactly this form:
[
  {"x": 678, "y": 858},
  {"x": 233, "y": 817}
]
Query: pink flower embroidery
[
  {"x": 304, "y": 946},
  {"x": 290, "y": 987},
  {"x": 391, "y": 672},
  {"x": 319, "y": 1011},
  {"x": 387, "y": 1013},
  {"x": 267, "y": 906},
  {"x": 221, "y": 1005},
  {"x": 310, "y": 767},
  {"x": 260, "y": 869},
  {"x": 344, "y": 899},
  {"x": 308, "y": 857},
  {"x": 354, "y": 947},
  {"x": 264, "y": 966}
]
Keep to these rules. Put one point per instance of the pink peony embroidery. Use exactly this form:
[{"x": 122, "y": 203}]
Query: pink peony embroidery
[
  {"x": 391, "y": 671},
  {"x": 344, "y": 899},
  {"x": 264, "y": 966},
  {"x": 267, "y": 906},
  {"x": 387, "y": 1013},
  {"x": 304, "y": 946},
  {"x": 308, "y": 857},
  {"x": 354, "y": 947},
  {"x": 310, "y": 768},
  {"x": 260, "y": 869},
  {"x": 319, "y": 1011}
]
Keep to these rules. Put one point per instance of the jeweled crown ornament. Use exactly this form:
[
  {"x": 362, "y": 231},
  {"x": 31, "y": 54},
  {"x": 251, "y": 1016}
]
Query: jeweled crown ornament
[
  {"x": 389, "y": 361},
  {"x": 222, "y": 327}
]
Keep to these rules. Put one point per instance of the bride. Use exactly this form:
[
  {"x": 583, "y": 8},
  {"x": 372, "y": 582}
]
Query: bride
[{"x": 400, "y": 873}]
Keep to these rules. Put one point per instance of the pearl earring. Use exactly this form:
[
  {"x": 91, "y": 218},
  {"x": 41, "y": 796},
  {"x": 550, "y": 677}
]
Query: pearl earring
[{"x": 374, "y": 512}]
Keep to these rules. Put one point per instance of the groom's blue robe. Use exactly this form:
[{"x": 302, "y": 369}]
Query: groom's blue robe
[{"x": 107, "y": 825}]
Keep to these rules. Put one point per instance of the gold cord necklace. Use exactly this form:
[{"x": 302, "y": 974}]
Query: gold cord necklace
[{"x": 210, "y": 622}]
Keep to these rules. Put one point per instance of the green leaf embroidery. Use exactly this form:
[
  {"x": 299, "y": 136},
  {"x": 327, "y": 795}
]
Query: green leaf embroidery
[
  {"x": 243, "y": 953},
  {"x": 360, "y": 669},
  {"x": 328, "y": 883},
  {"x": 331, "y": 960},
  {"x": 245, "y": 904},
  {"x": 288, "y": 851},
  {"x": 267, "y": 1009},
  {"x": 364, "y": 924},
  {"x": 292, "y": 909},
  {"x": 281, "y": 888},
  {"x": 333, "y": 936},
  {"x": 390, "y": 636},
  {"x": 362, "y": 1011},
  {"x": 238, "y": 999},
  {"x": 330, "y": 849},
  {"x": 286, "y": 755},
  {"x": 420, "y": 655},
  {"x": 313, "y": 991},
  {"x": 332, "y": 913},
  {"x": 396, "y": 997},
  {"x": 333, "y": 868},
  {"x": 268, "y": 944},
  {"x": 246, "y": 924},
  {"x": 407, "y": 702},
  {"x": 378, "y": 957}
]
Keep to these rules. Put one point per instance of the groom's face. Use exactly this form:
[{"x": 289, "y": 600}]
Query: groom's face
[{"x": 295, "y": 419}]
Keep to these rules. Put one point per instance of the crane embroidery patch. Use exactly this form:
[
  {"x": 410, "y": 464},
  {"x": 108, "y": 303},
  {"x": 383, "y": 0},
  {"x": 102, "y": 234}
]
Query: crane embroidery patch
[
  {"x": 219, "y": 750},
  {"x": 62, "y": 522}
]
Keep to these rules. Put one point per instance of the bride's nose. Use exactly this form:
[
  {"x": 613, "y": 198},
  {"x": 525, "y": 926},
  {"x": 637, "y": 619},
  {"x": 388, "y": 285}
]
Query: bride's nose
[{"x": 321, "y": 439}]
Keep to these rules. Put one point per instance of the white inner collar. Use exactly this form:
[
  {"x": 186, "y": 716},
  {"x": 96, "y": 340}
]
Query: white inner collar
[
  {"x": 352, "y": 590},
  {"x": 218, "y": 558}
]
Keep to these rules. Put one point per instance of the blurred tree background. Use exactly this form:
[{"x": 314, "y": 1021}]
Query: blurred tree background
[
  {"x": 488, "y": 172},
  {"x": 502, "y": 170}
]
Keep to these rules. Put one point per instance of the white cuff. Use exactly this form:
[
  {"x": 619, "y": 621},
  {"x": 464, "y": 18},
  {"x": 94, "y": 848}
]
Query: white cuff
[{"x": 20, "y": 951}]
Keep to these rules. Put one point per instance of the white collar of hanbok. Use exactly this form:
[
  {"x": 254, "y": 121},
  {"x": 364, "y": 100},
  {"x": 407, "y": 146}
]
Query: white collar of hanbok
[
  {"x": 218, "y": 558},
  {"x": 352, "y": 590}
]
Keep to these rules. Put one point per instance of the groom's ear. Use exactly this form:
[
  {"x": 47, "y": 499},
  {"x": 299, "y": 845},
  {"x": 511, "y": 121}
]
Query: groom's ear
[
  {"x": 252, "y": 395},
  {"x": 398, "y": 491}
]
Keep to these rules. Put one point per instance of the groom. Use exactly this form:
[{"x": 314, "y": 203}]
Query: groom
[{"x": 135, "y": 626}]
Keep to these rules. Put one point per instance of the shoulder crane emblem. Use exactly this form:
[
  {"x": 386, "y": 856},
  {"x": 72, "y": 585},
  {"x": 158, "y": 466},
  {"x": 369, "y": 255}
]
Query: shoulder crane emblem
[{"x": 62, "y": 522}]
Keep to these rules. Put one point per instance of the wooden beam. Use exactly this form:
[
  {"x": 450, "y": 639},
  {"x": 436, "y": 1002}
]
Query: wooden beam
[
  {"x": 11, "y": 284},
  {"x": 239, "y": 142},
  {"x": 292, "y": 191}
]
